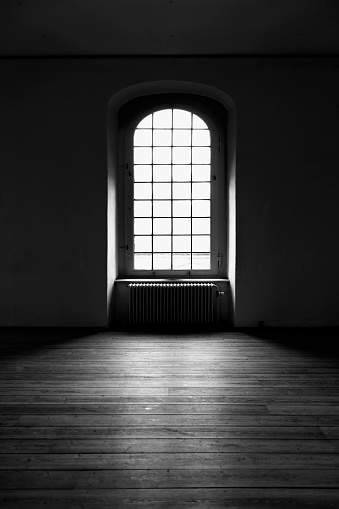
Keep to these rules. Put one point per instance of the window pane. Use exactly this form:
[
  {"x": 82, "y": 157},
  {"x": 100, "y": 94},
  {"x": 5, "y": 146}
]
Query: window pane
[
  {"x": 142, "y": 173},
  {"x": 162, "y": 261},
  {"x": 182, "y": 137},
  {"x": 201, "y": 138},
  {"x": 142, "y": 191},
  {"x": 143, "y": 243},
  {"x": 182, "y": 172},
  {"x": 201, "y": 261},
  {"x": 161, "y": 226},
  {"x": 201, "y": 172},
  {"x": 182, "y": 191},
  {"x": 142, "y": 155},
  {"x": 161, "y": 191},
  {"x": 161, "y": 243},
  {"x": 142, "y": 261},
  {"x": 146, "y": 122},
  {"x": 162, "y": 118},
  {"x": 162, "y": 173},
  {"x": 162, "y": 137},
  {"x": 200, "y": 208},
  {"x": 142, "y": 208},
  {"x": 201, "y": 225},
  {"x": 182, "y": 208},
  {"x": 182, "y": 118},
  {"x": 201, "y": 190},
  {"x": 162, "y": 155},
  {"x": 142, "y": 226},
  {"x": 181, "y": 243},
  {"x": 143, "y": 137},
  {"x": 201, "y": 155},
  {"x": 182, "y": 155},
  {"x": 181, "y": 261},
  {"x": 182, "y": 226},
  {"x": 161, "y": 208},
  {"x": 201, "y": 243},
  {"x": 198, "y": 123}
]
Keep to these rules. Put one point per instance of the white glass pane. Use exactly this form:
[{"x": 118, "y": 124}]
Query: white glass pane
[
  {"x": 142, "y": 191},
  {"x": 181, "y": 261},
  {"x": 161, "y": 226},
  {"x": 182, "y": 155},
  {"x": 201, "y": 225},
  {"x": 182, "y": 119},
  {"x": 201, "y": 208},
  {"x": 182, "y": 208},
  {"x": 182, "y": 191},
  {"x": 181, "y": 243},
  {"x": 162, "y": 208},
  {"x": 201, "y": 243},
  {"x": 201, "y": 172},
  {"x": 182, "y": 172},
  {"x": 142, "y": 261},
  {"x": 142, "y": 208},
  {"x": 142, "y": 155},
  {"x": 161, "y": 191},
  {"x": 142, "y": 243},
  {"x": 162, "y": 261},
  {"x": 201, "y": 190},
  {"x": 181, "y": 226},
  {"x": 198, "y": 123},
  {"x": 143, "y": 137},
  {"x": 162, "y": 137},
  {"x": 142, "y": 173},
  {"x": 142, "y": 226},
  {"x": 201, "y": 138},
  {"x": 146, "y": 122},
  {"x": 201, "y": 261},
  {"x": 162, "y": 155},
  {"x": 162, "y": 243},
  {"x": 182, "y": 137},
  {"x": 162, "y": 118},
  {"x": 162, "y": 173},
  {"x": 201, "y": 155}
]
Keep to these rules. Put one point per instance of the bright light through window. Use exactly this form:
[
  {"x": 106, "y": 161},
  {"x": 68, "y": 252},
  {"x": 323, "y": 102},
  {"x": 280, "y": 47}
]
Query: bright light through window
[{"x": 172, "y": 192}]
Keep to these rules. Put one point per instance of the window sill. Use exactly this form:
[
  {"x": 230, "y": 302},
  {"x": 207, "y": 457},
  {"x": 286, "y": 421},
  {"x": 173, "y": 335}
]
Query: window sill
[{"x": 172, "y": 280}]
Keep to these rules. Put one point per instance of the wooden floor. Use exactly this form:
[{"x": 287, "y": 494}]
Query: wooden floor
[{"x": 110, "y": 420}]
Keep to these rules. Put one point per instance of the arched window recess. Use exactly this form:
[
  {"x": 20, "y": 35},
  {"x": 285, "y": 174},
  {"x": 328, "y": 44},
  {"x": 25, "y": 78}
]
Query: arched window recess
[{"x": 172, "y": 189}]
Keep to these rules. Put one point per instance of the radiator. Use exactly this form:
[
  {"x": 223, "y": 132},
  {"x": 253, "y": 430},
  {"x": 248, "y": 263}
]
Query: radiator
[{"x": 172, "y": 303}]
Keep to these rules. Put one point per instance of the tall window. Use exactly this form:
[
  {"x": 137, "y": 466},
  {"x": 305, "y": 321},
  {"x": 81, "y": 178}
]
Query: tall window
[{"x": 172, "y": 194}]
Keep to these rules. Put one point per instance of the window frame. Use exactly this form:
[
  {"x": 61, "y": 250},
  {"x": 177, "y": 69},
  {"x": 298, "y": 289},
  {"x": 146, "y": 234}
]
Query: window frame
[{"x": 218, "y": 187}]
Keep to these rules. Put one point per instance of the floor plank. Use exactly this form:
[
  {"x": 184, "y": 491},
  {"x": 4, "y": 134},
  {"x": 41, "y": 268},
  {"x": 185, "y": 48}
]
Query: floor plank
[
  {"x": 166, "y": 445},
  {"x": 215, "y": 498},
  {"x": 89, "y": 432}
]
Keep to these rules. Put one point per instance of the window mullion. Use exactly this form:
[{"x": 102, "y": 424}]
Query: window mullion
[
  {"x": 191, "y": 191},
  {"x": 152, "y": 209},
  {"x": 172, "y": 192}
]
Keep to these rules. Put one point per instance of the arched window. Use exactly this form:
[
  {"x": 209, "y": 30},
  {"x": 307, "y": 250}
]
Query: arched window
[{"x": 174, "y": 193}]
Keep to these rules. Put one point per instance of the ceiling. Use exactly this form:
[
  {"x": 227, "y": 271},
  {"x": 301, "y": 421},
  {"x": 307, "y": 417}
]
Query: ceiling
[{"x": 168, "y": 27}]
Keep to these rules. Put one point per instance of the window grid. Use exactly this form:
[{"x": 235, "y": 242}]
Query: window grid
[{"x": 192, "y": 235}]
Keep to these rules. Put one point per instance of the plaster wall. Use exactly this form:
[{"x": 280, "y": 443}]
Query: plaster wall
[{"x": 53, "y": 185}]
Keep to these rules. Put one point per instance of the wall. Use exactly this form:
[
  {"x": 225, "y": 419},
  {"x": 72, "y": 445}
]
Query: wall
[{"x": 53, "y": 194}]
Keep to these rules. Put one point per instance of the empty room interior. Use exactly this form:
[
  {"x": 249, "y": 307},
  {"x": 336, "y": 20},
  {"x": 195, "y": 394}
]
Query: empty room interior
[{"x": 169, "y": 217}]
